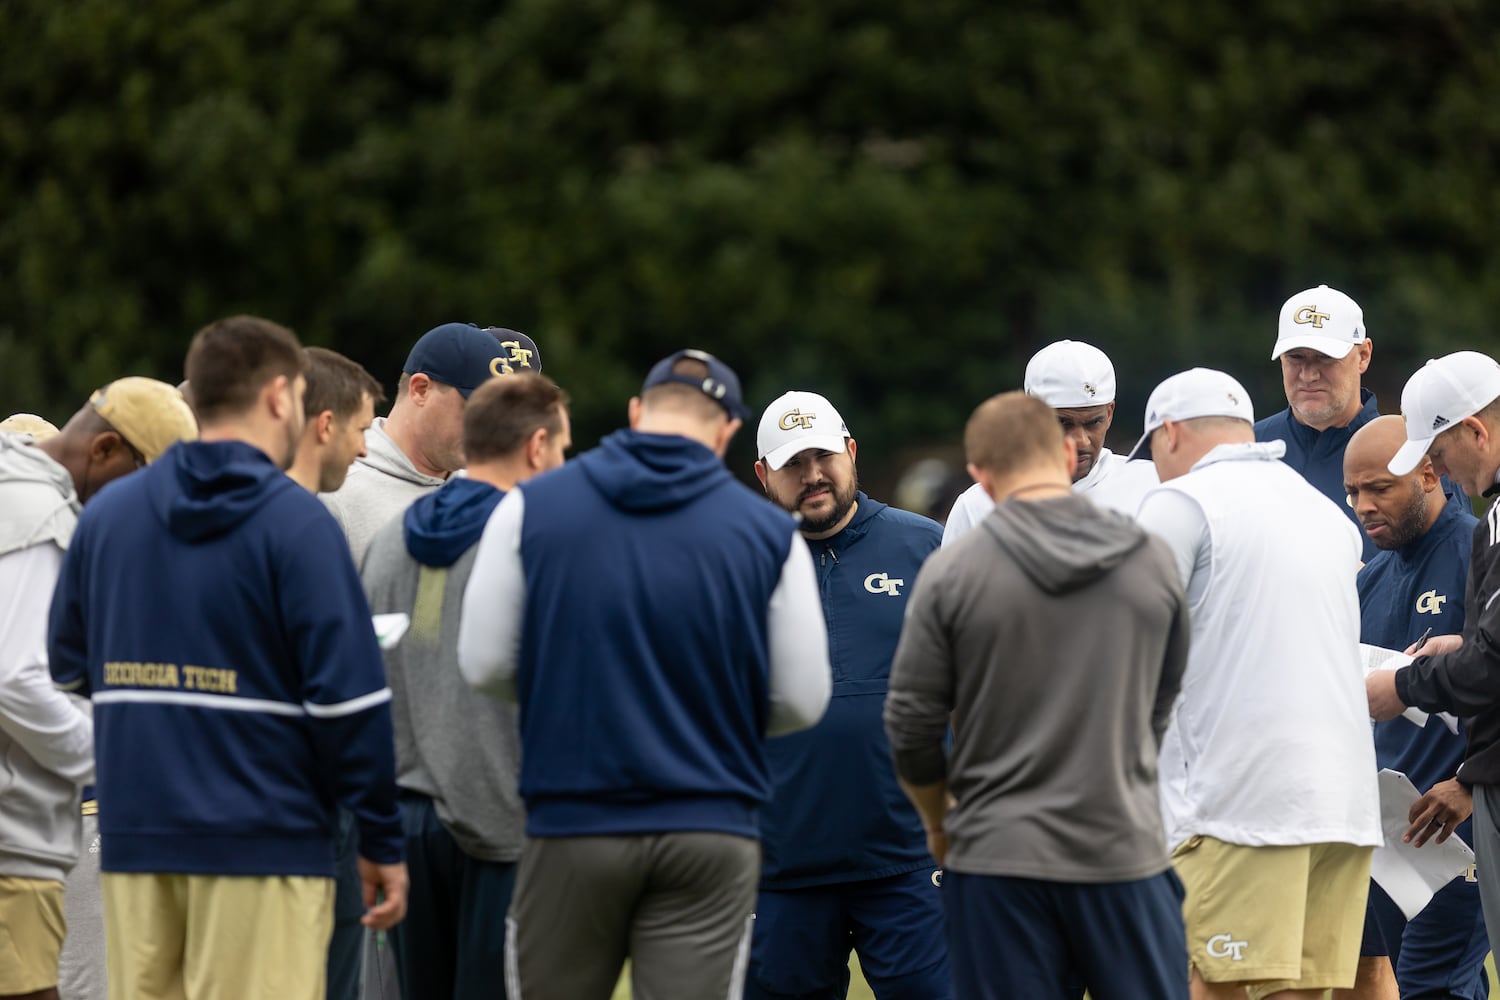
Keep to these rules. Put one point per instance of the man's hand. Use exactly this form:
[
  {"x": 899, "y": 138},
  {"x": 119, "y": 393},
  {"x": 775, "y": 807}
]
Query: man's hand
[
  {"x": 1446, "y": 804},
  {"x": 1435, "y": 645},
  {"x": 388, "y": 884},
  {"x": 1380, "y": 689},
  {"x": 937, "y": 844}
]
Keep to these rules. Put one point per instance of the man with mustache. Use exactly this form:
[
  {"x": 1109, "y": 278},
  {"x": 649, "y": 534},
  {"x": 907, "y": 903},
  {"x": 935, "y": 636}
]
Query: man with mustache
[
  {"x": 1415, "y": 586},
  {"x": 1324, "y": 348},
  {"x": 1078, "y": 381},
  {"x": 845, "y": 857}
]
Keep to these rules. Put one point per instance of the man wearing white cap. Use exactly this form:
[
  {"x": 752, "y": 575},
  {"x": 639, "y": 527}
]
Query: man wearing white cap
[
  {"x": 1078, "y": 381},
  {"x": 1274, "y": 852},
  {"x": 1452, "y": 412},
  {"x": 844, "y": 855},
  {"x": 1324, "y": 348}
]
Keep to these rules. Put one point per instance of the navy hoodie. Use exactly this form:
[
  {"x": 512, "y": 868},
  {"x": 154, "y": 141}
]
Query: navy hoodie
[
  {"x": 1402, "y": 593},
  {"x": 838, "y": 813},
  {"x": 1318, "y": 457},
  {"x": 446, "y": 523},
  {"x": 643, "y": 673},
  {"x": 210, "y": 607}
]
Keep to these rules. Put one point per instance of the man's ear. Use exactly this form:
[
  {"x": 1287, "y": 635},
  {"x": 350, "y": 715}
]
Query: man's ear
[
  {"x": 323, "y": 427},
  {"x": 853, "y": 447},
  {"x": 278, "y": 397},
  {"x": 983, "y": 478},
  {"x": 761, "y": 469},
  {"x": 1366, "y": 351},
  {"x": 633, "y": 412},
  {"x": 106, "y": 445},
  {"x": 727, "y": 431},
  {"x": 418, "y": 386},
  {"x": 536, "y": 444}
]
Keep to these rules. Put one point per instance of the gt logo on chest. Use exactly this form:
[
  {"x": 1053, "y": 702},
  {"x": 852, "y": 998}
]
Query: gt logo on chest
[{"x": 881, "y": 583}]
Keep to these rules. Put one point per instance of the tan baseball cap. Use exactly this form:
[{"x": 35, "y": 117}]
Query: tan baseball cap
[
  {"x": 28, "y": 423},
  {"x": 151, "y": 415}
]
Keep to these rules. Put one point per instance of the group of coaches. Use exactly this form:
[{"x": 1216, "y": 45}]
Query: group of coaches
[{"x": 654, "y": 621}]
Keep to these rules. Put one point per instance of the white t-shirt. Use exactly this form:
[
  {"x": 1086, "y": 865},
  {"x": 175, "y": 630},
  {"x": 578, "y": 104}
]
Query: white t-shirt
[
  {"x": 1114, "y": 482},
  {"x": 1270, "y": 741}
]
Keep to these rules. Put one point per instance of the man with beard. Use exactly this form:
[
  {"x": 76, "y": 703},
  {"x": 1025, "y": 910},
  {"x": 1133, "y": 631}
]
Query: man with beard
[
  {"x": 1078, "y": 381},
  {"x": 845, "y": 857},
  {"x": 1324, "y": 348},
  {"x": 1414, "y": 586},
  {"x": 209, "y": 608},
  {"x": 337, "y": 410}
]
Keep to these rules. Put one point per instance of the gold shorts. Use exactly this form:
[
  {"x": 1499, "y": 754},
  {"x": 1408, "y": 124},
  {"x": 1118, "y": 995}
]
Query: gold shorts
[
  {"x": 31, "y": 933},
  {"x": 1279, "y": 917},
  {"x": 221, "y": 937}
]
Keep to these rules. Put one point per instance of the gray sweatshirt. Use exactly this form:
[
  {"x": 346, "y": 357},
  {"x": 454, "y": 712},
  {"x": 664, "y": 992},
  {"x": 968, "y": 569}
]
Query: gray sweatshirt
[
  {"x": 379, "y": 486},
  {"x": 1056, "y": 634},
  {"x": 453, "y": 744},
  {"x": 46, "y": 738}
]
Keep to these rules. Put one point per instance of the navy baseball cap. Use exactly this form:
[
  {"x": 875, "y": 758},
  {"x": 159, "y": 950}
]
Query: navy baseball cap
[
  {"x": 721, "y": 384},
  {"x": 458, "y": 354},
  {"x": 521, "y": 354}
]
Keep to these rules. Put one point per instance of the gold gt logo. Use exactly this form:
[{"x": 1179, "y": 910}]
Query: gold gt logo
[
  {"x": 796, "y": 418},
  {"x": 1309, "y": 315},
  {"x": 518, "y": 357}
]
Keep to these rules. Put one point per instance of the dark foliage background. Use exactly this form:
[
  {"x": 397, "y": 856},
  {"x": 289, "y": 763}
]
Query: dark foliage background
[{"x": 892, "y": 202}]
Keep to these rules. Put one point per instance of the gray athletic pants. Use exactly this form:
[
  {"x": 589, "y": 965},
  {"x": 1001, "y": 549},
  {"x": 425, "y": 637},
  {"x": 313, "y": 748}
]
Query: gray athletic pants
[
  {"x": 1487, "y": 857},
  {"x": 678, "y": 905}
]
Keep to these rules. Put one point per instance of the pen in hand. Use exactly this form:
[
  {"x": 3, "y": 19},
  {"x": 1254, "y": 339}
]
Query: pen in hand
[{"x": 1421, "y": 640}]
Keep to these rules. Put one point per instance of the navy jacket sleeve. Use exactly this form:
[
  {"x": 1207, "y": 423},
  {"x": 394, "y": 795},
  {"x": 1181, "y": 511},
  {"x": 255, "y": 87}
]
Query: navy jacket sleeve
[
  {"x": 343, "y": 682},
  {"x": 67, "y": 639},
  {"x": 1465, "y": 681}
]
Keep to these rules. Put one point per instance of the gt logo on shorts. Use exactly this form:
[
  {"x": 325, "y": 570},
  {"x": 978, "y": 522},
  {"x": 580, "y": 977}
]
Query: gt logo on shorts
[
  {"x": 880, "y": 583},
  {"x": 1430, "y": 603},
  {"x": 1309, "y": 315},
  {"x": 1225, "y": 946},
  {"x": 796, "y": 418}
]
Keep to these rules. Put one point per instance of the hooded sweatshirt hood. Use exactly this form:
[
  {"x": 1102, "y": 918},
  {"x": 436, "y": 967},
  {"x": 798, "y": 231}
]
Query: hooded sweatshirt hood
[
  {"x": 1064, "y": 543},
  {"x": 382, "y": 454},
  {"x": 652, "y": 472},
  {"x": 40, "y": 502},
  {"x": 443, "y": 525},
  {"x": 202, "y": 489}
]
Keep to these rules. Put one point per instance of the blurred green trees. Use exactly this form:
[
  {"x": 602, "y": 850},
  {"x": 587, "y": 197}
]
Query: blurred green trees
[{"x": 891, "y": 201}]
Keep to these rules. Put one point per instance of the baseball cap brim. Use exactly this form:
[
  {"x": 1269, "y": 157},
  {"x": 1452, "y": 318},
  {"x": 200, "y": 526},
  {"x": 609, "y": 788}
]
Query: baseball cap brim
[
  {"x": 1142, "y": 447},
  {"x": 1409, "y": 456},
  {"x": 1331, "y": 346},
  {"x": 779, "y": 456}
]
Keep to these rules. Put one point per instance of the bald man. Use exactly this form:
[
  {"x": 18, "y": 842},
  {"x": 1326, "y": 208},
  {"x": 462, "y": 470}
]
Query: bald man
[{"x": 1412, "y": 586}]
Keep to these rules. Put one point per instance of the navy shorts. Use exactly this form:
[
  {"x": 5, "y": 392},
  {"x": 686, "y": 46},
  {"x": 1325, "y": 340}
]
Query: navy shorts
[
  {"x": 1017, "y": 937},
  {"x": 1439, "y": 952},
  {"x": 803, "y": 938}
]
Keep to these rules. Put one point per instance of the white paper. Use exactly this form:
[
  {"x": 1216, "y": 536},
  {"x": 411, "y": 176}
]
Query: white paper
[
  {"x": 1379, "y": 658},
  {"x": 389, "y": 628},
  {"x": 1410, "y": 875}
]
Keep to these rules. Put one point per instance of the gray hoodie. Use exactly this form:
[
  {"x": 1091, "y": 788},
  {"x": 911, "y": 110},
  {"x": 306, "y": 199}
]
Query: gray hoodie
[
  {"x": 380, "y": 486},
  {"x": 1056, "y": 635},
  {"x": 46, "y": 739}
]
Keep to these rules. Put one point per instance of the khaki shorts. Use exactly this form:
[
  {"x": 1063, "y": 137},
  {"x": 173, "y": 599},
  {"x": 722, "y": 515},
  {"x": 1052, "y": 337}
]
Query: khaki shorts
[
  {"x": 31, "y": 933},
  {"x": 217, "y": 937},
  {"x": 1280, "y": 917}
]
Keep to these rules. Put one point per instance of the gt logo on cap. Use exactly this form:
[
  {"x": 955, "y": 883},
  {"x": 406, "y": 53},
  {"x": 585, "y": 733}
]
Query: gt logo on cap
[
  {"x": 796, "y": 418},
  {"x": 1310, "y": 315},
  {"x": 518, "y": 356}
]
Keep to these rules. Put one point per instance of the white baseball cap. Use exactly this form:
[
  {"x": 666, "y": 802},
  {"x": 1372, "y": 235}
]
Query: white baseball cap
[
  {"x": 796, "y": 421},
  {"x": 1070, "y": 373},
  {"x": 1197, "y": 392},
  {"x": 1323, "y": 319},
  {"x": 1439, "y": 395}
]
